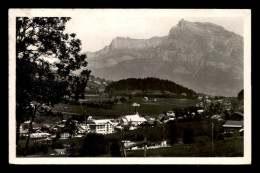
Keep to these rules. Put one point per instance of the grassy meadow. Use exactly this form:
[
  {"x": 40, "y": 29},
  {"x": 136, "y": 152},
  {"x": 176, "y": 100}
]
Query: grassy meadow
[{"x": 148, "y": 107}]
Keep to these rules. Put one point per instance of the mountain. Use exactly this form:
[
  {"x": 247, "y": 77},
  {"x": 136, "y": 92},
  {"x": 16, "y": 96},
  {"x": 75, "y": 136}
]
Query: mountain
[{"x": 202, "y": 56}]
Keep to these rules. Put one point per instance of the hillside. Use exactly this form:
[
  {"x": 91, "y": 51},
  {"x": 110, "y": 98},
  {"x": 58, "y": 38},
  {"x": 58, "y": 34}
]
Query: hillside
[
  {"x": 145, "y": 84},
  {"x": 202, "y": 56}
]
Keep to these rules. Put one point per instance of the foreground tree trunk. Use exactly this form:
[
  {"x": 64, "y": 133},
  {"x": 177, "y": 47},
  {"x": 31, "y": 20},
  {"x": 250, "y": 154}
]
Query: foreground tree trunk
[
  {"x": 29, "y": 132},
  {"x": 18, "y": 124}
]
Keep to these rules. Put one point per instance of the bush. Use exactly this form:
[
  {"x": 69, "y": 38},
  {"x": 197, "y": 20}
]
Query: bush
[
  {"x": 227, "y": 135},
  {"x": 93, "y": 145},
  {"x": 202, "y": 139},
  {"x": 171, "y": 131},
  {"x": 188, "y": 136},
  {"x": 122, "y": 99},
  {"x": 220, "y": 136},
  {"x": 56, "y": 144},
  {"x": 115, "y": 150},
  {"x": 116, "y": 100},
  {"x": 242, "y": 133},
  {"x": 130, "y": 97}
]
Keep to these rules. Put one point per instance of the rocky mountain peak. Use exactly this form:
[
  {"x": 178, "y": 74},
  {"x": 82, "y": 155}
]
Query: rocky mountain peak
[{"x": 202, "y": 56}]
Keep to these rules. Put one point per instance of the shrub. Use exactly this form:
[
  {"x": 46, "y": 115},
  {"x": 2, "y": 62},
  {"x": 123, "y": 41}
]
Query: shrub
[
  {"x": 171, "y": 131},
  {"x": 56, "y": 144},
  {"x": 228, "y": 135},
  {"x": 116, "y": 100},
  {"x": 115, "y": 149},
  {"x": 188, "y": 136},
  {"x": 122, "y": 99},
  {"x": 220, "y": 136},
  {"x": 93, "y": 145},
  {"x": 202, "y": 139}
]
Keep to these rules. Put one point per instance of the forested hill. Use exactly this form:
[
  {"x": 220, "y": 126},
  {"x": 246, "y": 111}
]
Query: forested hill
[{"x": 145, "y": 84}]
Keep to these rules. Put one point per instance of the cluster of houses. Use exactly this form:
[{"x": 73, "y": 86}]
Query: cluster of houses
[
  {"x": 108, "y": 126},
  {"x": 91, "y": 125}
]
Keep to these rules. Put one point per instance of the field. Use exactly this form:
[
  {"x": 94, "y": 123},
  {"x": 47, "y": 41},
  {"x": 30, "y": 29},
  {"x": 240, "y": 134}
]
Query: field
[
  {"x": 232, "y": 147},
  {"x": 146, "y": 107}
]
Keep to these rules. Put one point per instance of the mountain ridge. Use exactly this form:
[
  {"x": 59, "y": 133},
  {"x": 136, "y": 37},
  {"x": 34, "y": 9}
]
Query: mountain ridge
[{"x": 202, "y": 56}]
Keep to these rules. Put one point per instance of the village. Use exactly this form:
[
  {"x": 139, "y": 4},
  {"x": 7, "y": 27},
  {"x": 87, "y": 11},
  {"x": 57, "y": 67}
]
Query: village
[{"x": 75, "y": 126}]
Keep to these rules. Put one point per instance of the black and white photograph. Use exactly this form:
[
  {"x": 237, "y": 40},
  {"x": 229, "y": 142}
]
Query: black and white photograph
[{"x": 129, "y": 86}]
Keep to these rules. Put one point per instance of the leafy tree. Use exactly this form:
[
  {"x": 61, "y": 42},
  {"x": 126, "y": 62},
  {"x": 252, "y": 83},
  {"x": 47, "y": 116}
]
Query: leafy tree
[
  {"x": 227, "y": 115},
  {"x": 240, "y": 95},
  {"x": 46, "y": 59},
  {"x": 115, "y": 149},
  {"x": 234, "y": 105}
]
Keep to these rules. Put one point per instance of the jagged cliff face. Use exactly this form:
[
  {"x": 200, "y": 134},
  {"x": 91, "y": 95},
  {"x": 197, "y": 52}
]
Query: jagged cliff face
[{"x": 202, "y": 56}]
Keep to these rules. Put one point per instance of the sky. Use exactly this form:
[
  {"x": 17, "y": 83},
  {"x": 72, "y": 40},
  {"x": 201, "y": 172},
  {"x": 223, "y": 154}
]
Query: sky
[{"x": 97, "y": 28}]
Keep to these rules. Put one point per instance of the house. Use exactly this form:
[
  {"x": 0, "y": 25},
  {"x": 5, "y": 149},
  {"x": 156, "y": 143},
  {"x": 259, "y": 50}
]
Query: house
[
  {"x": 135, "y": 119},
  {"x": 170, "y": 114},
  {"x": 36, "y": 127},
  {"x": 215, "y": 117},
  {"x": 64, "y": 135},
  {"x": 147, "y": 124},
  {"x": 119, "y": 128},
  {"x": 23, "y": 131},
  {"x": 82, "y": 128},
  {"x": 123, "y": 121},
  {"x": 128, "y": 143},
  {"x": 208, "y": 101},
  {"x": 200, "y": 111},
  {"x": 237, "y": 116},
  {"x": 233, "y": 126},
  {"x": 104, "y": 126},
  {"x": 220, "y": 101},
  {"x": 60, "y": 151},
  {"x": 133, "y": 128},
  {"x": 160, "y": 117},
  {"x": 184, "y": 94},
  {"x": 180, "y": 118},
  {"x": 90, "y": 118},
  {"x": 101, "y": 89},
  {"x": 146, "y": 98},
  {"x": 39, "y": 135}
]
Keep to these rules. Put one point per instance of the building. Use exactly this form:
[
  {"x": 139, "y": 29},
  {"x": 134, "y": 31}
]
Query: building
[
  {"x": 123, "y": 121},
  {"x": 184, "y": 94},
  {"x": 146, "y": 98},
  {"x": 64, "y": 135},
  {"x": 200, "y": 111},
  {"x": 170, "y": 113},
  {"x": 23, "y": 131},
  {"x": 101, "y": 126},
  {"x": 39, "y": 135},
  {"x": 239, "y": 116},
  {"x": 60, "y": 151},
  {"x": 233, "y": 126},
  {"x": 133, "y": 119}
]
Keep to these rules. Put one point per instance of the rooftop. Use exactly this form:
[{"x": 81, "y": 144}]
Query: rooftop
[
  {"x": 99, "y": 122},
  {"x": 135, "y": 117},
  {"x": 234, "y": 124}
]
